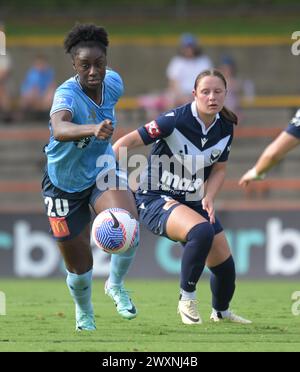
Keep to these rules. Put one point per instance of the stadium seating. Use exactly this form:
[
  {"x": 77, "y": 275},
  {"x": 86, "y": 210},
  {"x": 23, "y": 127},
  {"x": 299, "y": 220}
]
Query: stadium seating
[{"x": 22, "y": 162}]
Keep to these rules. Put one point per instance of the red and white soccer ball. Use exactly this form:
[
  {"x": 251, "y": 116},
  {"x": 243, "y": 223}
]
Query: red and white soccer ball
[{"x": 115, "y": 230}]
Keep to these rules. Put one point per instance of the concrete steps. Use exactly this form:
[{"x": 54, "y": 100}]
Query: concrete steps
[{"x": 22, "y": 165}]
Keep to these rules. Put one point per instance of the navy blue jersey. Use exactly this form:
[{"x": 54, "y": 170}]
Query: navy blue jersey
[
  {"x": 180, "y": 135},
  {"x": 294, "y": 125}
]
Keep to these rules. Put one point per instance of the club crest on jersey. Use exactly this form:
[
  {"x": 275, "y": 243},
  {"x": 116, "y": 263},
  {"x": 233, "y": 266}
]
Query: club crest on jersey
[
  {"x": 82, "y": 143},
  {"x": 63, "y": 101},
  {"x": 153, "y": 129},
  {"x": 215, "y": 154}
]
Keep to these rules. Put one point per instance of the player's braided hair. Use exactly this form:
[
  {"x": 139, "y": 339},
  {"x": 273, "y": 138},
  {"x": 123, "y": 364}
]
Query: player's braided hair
[
  {"x": 227, "y": 114},
  {"x": 85, "y": 34}
]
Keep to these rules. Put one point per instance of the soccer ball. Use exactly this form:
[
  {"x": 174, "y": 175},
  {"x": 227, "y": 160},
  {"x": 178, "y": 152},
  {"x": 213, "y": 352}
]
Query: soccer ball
[{"x": 114, "y": 230}]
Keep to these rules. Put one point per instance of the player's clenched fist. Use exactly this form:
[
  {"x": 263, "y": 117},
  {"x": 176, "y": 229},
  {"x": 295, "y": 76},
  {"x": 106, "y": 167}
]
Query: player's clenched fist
[{"x": 104, "y": 130}]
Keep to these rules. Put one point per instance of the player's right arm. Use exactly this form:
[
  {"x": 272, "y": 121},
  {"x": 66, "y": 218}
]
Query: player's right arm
[
  {"x": 64, "y": 130},
  {"x": 130, "y": 141},
  {"x": 147, "y": 134}
]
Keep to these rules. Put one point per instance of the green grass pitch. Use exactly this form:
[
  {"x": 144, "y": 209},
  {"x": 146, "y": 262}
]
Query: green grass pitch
[{"x": 40, "y": 317}]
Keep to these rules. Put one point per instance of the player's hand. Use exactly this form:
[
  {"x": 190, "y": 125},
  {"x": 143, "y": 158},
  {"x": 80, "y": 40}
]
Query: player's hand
[
  {"x": 104, "y": 130},
  {"x": 250, "y": 176},
  {"x": 208, "y": 206},
  {"x": 245, "y": 179}
]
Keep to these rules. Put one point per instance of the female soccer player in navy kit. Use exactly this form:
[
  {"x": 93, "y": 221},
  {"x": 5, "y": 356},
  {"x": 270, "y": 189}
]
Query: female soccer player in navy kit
[
  {"x": 171, "y": 205},
  {"x": 81, "y": 125},
  {"x": 283, "y": 144}
]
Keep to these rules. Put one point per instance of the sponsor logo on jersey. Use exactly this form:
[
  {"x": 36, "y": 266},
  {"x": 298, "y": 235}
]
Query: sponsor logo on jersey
[
  {"x": 153, "y": 129},
  {"x": 173, "y": 181}
]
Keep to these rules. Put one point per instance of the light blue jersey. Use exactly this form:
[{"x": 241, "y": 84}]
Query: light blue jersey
[{"x": 72, "y": 165}]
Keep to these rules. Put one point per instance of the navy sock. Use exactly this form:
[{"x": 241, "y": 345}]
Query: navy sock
[
  {"x": 196, "y": 249},
  {"x": 222, "y": 284}
]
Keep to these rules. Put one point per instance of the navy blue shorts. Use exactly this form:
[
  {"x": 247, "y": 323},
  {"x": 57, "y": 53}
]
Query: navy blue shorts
[
  {"x": 68, "y": 213},
  {"x": 153, "y": 215}
]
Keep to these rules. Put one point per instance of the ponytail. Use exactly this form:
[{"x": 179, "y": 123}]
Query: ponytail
[{"x": 229, "y": 115}]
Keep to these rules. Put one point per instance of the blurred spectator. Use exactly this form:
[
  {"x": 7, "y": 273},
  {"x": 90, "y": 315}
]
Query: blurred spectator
[
  {"x": 38, "y": 87},
  {"x": 5, "y": 72},
  {"x": 237, "y": 89},
  {"x": 184, "y": 68},
  {"x": 181, "y": 73}
]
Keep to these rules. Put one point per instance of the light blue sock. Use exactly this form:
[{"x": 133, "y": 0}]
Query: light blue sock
[
  {"x": 80, "y": 287},
  {"x": 119, "y": 266}
]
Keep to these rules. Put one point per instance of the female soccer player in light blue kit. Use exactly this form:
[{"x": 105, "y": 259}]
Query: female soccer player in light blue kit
[
  {"x": 81, "y": 126},
  {"x": 173, "y": 204}
]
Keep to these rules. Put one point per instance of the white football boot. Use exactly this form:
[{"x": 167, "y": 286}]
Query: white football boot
[
  {"x": 189, "y": 312},
  {"x": 228, "y": 315}
]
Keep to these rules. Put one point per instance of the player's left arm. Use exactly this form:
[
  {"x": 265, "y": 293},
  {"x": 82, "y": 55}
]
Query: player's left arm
[
  {"x": 213, "y": 186},
  {"x": 275, "y": 152}
]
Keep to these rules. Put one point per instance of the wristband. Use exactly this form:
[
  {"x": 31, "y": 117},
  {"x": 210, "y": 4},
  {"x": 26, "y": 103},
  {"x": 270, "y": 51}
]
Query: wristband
[{"x": 255, "y": 176}]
